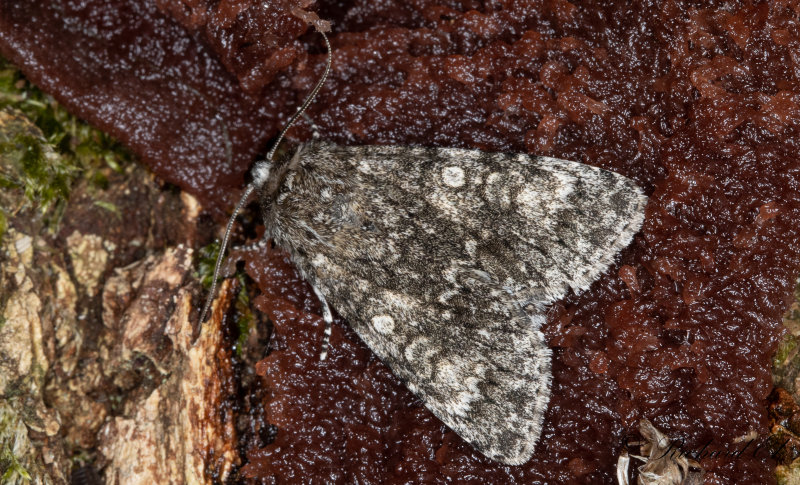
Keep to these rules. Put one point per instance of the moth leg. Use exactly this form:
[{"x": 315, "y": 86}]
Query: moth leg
[
  {"x": 314, "y": 127},
  {"x": 327, "y": 316}
]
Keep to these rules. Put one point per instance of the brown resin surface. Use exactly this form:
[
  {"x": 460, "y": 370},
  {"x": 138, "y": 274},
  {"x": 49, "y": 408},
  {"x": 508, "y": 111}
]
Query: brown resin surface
[{"x": 699, "y": 105}]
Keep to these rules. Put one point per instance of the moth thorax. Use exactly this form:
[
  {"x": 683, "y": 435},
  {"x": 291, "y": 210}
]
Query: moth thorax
[{"x": 261, "y": 173}]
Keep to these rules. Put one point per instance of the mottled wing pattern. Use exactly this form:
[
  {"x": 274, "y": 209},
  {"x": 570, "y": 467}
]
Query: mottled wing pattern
[{"x": 443, "y": 260}]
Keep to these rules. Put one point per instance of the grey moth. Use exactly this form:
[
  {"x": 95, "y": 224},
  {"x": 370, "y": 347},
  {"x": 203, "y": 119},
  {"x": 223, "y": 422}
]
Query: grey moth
[{"x": 444, "y": 261}]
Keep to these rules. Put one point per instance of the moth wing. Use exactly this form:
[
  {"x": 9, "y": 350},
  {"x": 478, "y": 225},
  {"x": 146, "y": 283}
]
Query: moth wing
[
  {"x": 550, "y": 223},
  {"x": 443, "y": 260},
  {"x": 485, "y": 373}
]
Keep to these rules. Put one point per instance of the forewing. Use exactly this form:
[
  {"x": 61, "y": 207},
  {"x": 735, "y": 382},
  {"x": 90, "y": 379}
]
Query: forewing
[
  {"x": 485, "y": 373},
  {"x": 541, "y": 225},
  {"x": 443, "y": 260}
]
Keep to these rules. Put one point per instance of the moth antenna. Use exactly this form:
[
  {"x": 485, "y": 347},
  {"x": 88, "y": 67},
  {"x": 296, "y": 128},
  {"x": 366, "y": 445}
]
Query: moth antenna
[
  {"x": 210, "y": 298},
  {"x": 308, "y": 100},
  {"x": 261, "y": 172}
]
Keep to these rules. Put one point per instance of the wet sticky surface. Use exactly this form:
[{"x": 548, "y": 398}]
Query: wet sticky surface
[
  {"x": 137, "y": 74},
  {"x": 700, "y": 106}
]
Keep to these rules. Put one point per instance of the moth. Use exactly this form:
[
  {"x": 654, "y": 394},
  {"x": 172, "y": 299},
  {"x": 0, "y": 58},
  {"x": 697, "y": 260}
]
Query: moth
[{"x": 444, "y": 261}]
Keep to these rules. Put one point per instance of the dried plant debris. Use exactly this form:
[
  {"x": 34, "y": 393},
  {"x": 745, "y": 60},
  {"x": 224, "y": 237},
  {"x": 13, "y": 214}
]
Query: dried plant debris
[
  {"x": 784, "y": 438},
  {"x": 101, "y": 369},
  {"x": 30, "y": 444},
  {"x": 784, "y": 411},
  {"x": 134, "y": 383},
  {"x": 786, "y": 362},
  {"x": 186, "y": 417},
  {"x": 664, "y": 464},
  {"x": 17, "y": 455}
]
